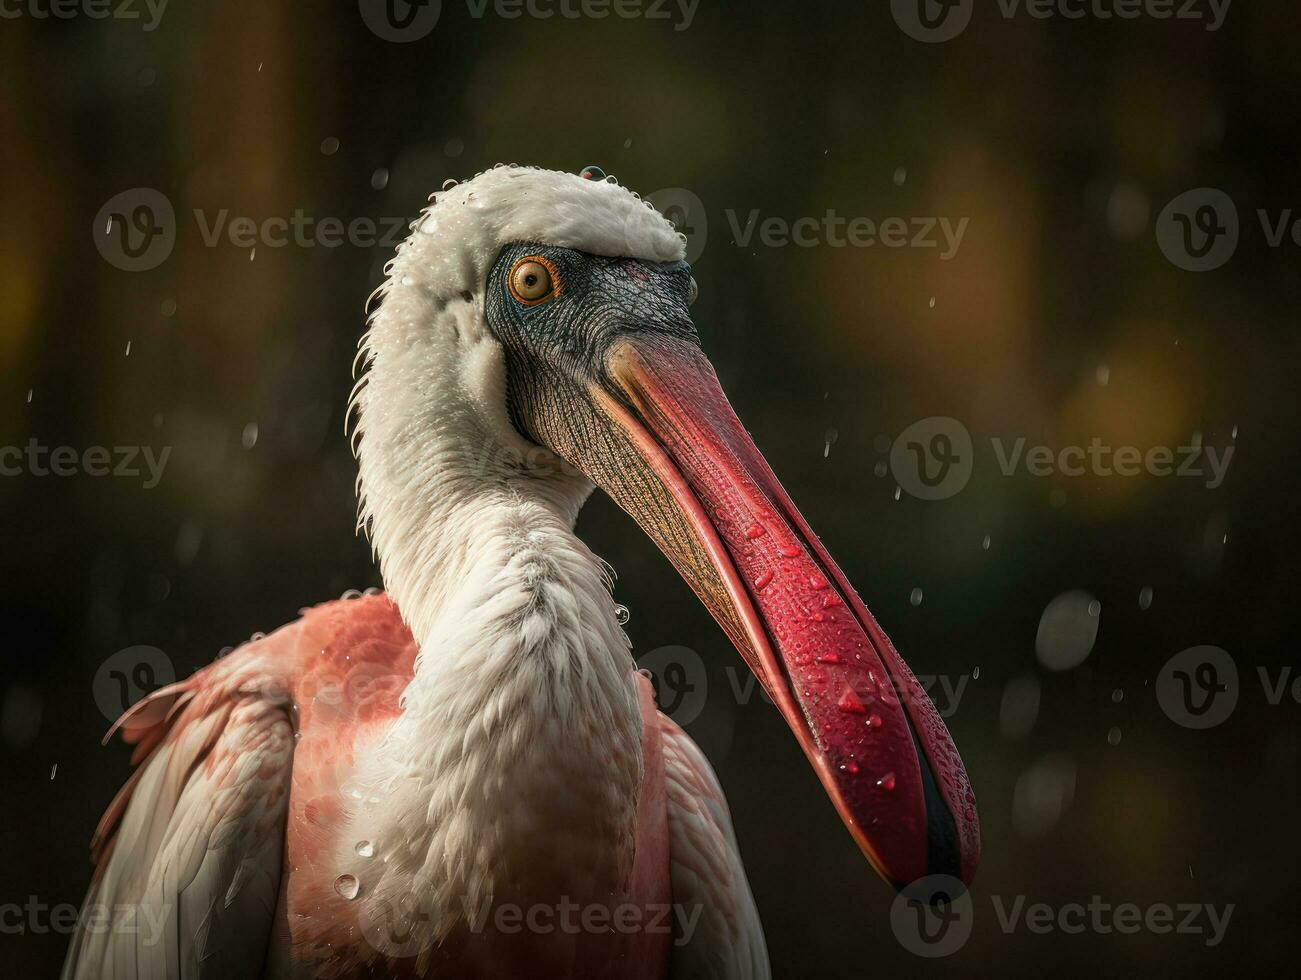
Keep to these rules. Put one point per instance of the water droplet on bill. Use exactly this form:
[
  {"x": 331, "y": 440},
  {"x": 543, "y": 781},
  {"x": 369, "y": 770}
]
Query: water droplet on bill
[{"x": 347, "y": 886}]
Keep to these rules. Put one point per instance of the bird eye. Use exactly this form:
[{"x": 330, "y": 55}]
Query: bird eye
[
  {"x": 692, "y": 292},
  {"x": 533, "y": 280}
]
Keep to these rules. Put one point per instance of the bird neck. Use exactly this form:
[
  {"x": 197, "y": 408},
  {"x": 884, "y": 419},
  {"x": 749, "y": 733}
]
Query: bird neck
[
  {"x": 517, "y": 759},
  {"x": 519, "y": 749}
]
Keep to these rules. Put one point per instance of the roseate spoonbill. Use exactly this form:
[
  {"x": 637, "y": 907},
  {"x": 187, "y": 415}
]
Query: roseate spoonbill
[{"x": 466, "y": 777}]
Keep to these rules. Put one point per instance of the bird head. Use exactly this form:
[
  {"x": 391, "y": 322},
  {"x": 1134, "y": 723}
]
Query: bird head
[{"x": 550, "y": 313}]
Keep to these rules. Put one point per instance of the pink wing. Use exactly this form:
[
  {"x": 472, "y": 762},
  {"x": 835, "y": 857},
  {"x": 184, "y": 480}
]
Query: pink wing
[
  {"x": 189, "y": 853},
  {"x": 708, "y": 880}
]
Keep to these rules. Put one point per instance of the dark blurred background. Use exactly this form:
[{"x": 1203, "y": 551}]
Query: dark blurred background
[{"x": 1059, "y": 319}]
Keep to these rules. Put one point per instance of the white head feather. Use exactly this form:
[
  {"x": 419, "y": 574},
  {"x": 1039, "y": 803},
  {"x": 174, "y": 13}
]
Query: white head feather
[
  {"x": 432, "y": 430},
  {"x": 523, "y": 681}
]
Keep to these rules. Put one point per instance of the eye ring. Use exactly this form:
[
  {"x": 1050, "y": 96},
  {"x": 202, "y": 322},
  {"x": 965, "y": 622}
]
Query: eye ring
[{"x": 533, "y": 280}]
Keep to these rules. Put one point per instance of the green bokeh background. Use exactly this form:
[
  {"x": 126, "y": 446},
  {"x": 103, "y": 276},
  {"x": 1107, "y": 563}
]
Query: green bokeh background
[{"x": 1061, "y": 141}]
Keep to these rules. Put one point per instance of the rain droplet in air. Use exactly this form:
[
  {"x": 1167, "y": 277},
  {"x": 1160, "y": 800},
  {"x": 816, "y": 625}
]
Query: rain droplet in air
[
  {"x": 379, "y": 179},
  {"x": 1019, "y": 709},
  {"x": 621, "y": 614},
  {"x": 1145, "y": 597},
  {"x": 347, "y": 886},
  {"x": 365, "y": 848},
  {"x": 29, "y": 395},
  {"x": 1117, "y": 696},
  {"x": 916, "y": 597},
  {"x": 330, "y": 145},
  {"x": 1068, "y": 629},
  {"x": 932, "y": 303},
  {"x": 1043, "y": 793},
  {"x": 986, "y": 543},
  {"x": 54, "y": 771},
  {"x": 898, "y": 493},
  {"x": 830, "y": 440},
  {"x": 900, "y": 176},
  {"x": 1113, "y": 736},
  {"x": 881, "y": 468},
  {"x": 248, "y": 438},
  {"x": 128, "y": 349},
  {"x": 1104, "y": 375}
]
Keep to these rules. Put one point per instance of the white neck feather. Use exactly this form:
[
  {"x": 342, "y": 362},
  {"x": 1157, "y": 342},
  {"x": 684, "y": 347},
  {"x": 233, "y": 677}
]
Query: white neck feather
[
  {"x": 518, "y": 753},
  {"x": 516, "y": 765}
]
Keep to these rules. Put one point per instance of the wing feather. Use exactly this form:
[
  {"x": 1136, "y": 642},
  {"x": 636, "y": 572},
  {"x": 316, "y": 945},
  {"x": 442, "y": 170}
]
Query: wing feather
[
  {"x": 726, "y": 940},
  {"x": 190, "y": 852}
]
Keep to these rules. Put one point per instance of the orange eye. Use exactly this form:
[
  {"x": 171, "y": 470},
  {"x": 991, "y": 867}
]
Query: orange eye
[{"x": 533, "y": 280}]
